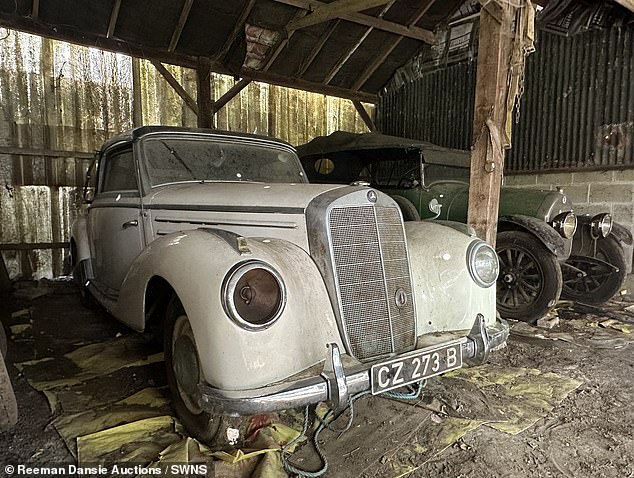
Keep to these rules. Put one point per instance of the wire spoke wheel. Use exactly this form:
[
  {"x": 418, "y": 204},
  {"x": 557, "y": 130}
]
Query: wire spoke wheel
[
  {"x": 600, "y": 282},
  {"x": 530, "y": 278}
]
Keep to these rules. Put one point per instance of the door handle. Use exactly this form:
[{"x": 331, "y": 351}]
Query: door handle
[{"x": 128, "y": 224}]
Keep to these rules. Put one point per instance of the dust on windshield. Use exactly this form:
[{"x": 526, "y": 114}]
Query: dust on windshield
[{"x": 172, "y": 160}]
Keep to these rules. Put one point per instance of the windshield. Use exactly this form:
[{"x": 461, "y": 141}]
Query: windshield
[
  {"x": 439, "y": 172},
  {"x": 170, "y": 160}
]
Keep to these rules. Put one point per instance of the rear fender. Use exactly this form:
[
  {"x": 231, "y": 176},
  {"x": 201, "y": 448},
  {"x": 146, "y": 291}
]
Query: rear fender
[
  {"x": 542, "y": 231},
  {"x": 195, "y": 264}
]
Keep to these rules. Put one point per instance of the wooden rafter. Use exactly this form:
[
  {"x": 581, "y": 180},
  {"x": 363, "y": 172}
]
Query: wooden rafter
[
  {"x": 365, "y": 116},
  {"x": 370, "y": 21},
  {"x": 282, "y": 43},
  {"x": 203, "y": 89},
  {"x": 114, "y": 15},
  {"x": 629, "y": 4},
  {"x": 176, "y": 35},
  {"x": 330, "y": 11},
  {"x": 346, "y": 56},
  {"x": 303, "y": 67},
  {"x": 230, "y": 94},
  {"x": 389, "y": 47},
  {"x": 237, "y": 29},
  {"x": 35, "y": 9},
  {"x": 173, "y": 82}
]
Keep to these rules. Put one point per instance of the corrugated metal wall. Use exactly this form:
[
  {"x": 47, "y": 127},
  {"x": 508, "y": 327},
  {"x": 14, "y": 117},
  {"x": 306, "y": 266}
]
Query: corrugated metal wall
[
  {"x": 57, "y": 96},
  {"x": 577, "y": 111}
]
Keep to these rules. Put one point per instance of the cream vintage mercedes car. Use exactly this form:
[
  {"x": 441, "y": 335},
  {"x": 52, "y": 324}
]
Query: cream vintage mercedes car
[{"x": 273, "y": 293}]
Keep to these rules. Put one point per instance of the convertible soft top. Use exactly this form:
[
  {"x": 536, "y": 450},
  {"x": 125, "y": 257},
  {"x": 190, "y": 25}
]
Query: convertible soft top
[{"x": 341, "y": 141}]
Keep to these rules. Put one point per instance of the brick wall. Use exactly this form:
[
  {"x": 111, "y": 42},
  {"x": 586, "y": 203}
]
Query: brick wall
[{"x": 591, "y": 193}]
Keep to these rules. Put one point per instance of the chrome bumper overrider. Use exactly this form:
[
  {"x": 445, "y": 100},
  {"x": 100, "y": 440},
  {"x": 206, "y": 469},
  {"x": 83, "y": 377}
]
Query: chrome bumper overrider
[{"x": 335, "y": 385}]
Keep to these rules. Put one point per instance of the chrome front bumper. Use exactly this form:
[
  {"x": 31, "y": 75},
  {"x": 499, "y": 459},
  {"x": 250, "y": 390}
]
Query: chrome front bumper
[{"x": 335, "y": 385}]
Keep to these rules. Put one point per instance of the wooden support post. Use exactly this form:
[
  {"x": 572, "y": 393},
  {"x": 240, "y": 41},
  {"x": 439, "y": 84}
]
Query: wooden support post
[
  {"x": 137, "y": 99},
  {"x": 205, "y": 103},
  {"x": 487, "y": 153},
  {"x": 5, "y": 281},
  {"x": 364, "y": 115}
]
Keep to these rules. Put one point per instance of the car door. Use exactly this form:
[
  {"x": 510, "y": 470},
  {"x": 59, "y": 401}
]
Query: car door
[{"x": 114, "y": 220}]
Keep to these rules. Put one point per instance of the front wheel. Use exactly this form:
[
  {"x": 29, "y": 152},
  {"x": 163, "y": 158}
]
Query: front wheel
[
  {"x": 601, "y": 282},
  {"x": 530, "y": 278},
  {"x": 184, "y": 373}
]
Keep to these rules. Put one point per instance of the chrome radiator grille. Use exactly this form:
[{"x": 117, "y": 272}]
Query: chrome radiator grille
[{"x": 370, "y": 264}]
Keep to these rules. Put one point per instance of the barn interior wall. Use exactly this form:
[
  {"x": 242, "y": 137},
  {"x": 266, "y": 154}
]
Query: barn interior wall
[{"x": 58, "y": 96}]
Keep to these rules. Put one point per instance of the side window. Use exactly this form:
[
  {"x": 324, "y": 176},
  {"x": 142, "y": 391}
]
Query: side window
[{"x": 119, "y": 172}]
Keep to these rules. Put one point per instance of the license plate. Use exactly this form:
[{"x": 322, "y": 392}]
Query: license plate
[{"x": 415, "y": 367}]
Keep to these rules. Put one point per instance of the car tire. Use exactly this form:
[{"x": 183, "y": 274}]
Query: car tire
[
  {"x": 530, "y": 279},
  {"x": 8, "y": 404},
  {"x": 409, "y": 211},
  {"x": 601, "y": 283},
  {"x": 183, "y": 375}
]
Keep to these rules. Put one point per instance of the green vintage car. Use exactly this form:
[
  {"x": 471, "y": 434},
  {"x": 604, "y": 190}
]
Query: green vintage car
[{"x": 542, "y": 251}]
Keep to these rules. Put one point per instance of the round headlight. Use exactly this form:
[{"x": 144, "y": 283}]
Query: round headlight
[
  {"x": 601, "y": 225},
  {"x": 254, "y": 295},
  {"x": 565, "y": 224},
  {"x": 483, "y": 263}
]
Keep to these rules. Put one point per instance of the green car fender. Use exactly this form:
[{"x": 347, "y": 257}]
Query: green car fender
[{"x": 542, "y": 231}]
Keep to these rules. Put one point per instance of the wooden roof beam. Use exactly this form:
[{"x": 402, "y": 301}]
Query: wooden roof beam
[
  {"x": 342, "y": 61},
  {"x": 629, "y": 4},
  {"x": 182, "y": 20},
  {"x": 282, "y": 44},
  {"x": 237, "y": 29},
  {"x": 173, "y": 82},
  {"x": 114, "y": 15},
  {"x": 414, "y": 32},
  {"x": 389, "y": 48},
  {"x": 330, "y": 11},
  {"x": 303, "y": 67}
]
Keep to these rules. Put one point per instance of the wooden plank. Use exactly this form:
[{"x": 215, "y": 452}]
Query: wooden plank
[
  {"x": 330, "y": 11},
  {"x": 205, "y": 103},
  {"x": 365, "y": 116},
  {"x": 114, "y": 16},
  {"x": 176, "y": 35},
  {"x": 230, "y": 94},
  {"x": 5, "y": 281},
  {"x": 629, "y": 4},
  {"x": 237, "y": 29},
  {"x": 303, "y": 67},
  {"x": 47, "y": 153},
  {"x": 173, "y": 82},
  {"x": 487, "y": 154},
  {"x": 35, "y": 9},
  {"x": 33, "y": 245},
  {"x": 416, "y": 33}
]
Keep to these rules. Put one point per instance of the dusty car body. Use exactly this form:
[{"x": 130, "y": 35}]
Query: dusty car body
[
  {"x": 274, "y": 293},
  {"x": 536, "y": 229}
]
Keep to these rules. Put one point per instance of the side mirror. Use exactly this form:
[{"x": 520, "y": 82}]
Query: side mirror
[{"x": 435, "y": 207}]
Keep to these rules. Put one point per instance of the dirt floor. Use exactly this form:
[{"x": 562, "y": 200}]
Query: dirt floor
[{"x": 443, "y": 433}]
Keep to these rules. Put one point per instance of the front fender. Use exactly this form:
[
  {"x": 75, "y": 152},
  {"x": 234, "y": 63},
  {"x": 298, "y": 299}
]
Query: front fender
[
  {"x": 79, "y": 235},
  {"x": 584, "y": 244},
  {"x": 543, "y": 231},
  {"x": 447, "y": 298},
  {"x": 622, "y": 233},
  {"x": 195, "y": 263}
]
